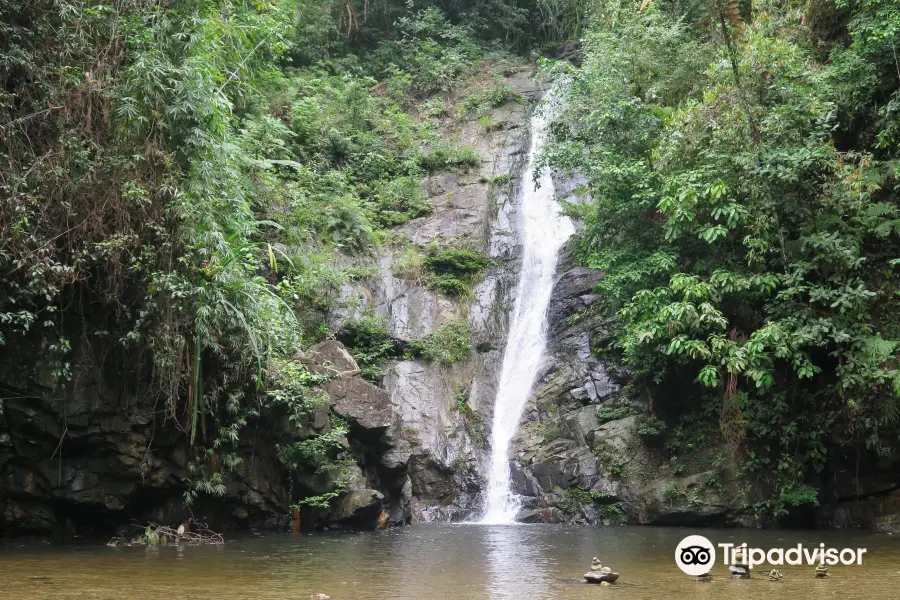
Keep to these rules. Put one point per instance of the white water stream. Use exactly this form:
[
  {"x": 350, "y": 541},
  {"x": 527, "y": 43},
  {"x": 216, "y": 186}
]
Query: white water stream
[{"x": 543, "y": 232}]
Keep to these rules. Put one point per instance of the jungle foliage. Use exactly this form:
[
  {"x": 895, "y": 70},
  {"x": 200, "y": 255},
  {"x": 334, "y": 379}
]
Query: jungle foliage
[
  {"x": 742, "y": 161},
  {"x": 177, "y": 178}
]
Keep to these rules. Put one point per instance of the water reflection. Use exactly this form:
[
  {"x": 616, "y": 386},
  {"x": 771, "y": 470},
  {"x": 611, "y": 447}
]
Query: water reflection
[{"x": 515, "y": 564}]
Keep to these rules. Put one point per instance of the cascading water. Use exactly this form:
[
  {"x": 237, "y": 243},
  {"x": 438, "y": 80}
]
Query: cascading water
[{"x": 544, "y": 231}]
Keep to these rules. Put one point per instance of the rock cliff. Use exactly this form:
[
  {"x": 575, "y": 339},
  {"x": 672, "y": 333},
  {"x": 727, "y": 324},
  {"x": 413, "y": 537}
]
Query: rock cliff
[
  {"x": 440, "y": 412},
  {"x": 100, "y": 453}
]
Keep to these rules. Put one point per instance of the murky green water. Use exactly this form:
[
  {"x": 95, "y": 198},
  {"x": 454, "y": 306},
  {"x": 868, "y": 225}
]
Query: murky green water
[{"x": 465, "y": 562}]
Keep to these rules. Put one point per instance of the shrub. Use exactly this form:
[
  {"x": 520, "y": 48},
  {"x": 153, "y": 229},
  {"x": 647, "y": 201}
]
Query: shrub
[
  {"x": 410, "y": 265},
  {"x": 450, "y": 271},
  {"x": 368, "y": 340},
  {"x": 399, "y": 201},
  {"x": 650, "y": 428},
  {"x": 462, "y": 262},
  {"x": 613, "y": 512},
  {"x": 493, "y": 97},
  {"x": 449, "y": 285},
  {"x": 453, "y": 270},
  {"x": 434, "y": 107},
  {"x": 574, "y": 498},
  {"x": 431, "y": 50},
  {"x": 608, "y": 459},
  {"x": 445, "y": 158},
  {"x": 446, "y": 345},
  {"x": 499, "y": 95},
  {"x": 613, "y": 413}
]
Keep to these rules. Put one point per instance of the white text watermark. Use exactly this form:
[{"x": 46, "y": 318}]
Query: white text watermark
[{"x": 696, "y": 555}]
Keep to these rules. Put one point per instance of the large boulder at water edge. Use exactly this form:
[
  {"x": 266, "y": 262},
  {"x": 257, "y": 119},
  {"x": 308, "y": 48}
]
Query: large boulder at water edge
[{"x": 359, "y": 507}]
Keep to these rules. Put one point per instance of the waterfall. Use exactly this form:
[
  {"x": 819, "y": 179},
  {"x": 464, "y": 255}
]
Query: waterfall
[{"x": 543, "y": 232}]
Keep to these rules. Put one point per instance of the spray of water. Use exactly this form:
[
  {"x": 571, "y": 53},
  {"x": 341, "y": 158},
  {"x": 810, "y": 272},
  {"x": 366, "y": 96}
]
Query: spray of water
[{"x": 544, "y": 231}]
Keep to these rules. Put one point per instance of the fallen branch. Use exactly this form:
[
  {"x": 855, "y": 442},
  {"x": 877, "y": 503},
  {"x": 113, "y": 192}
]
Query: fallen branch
[{"x": 162, "y": 535}]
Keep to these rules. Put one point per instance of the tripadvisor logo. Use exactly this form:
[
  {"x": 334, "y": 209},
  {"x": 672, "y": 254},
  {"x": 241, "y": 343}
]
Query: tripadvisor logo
[{"x": 696, "y": 555}]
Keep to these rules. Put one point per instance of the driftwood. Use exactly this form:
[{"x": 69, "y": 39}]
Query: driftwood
[{"x": 162, "y": 535}]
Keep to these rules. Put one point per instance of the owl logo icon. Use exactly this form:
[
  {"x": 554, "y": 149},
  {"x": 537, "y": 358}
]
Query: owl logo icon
[{"x": 695, "y": 555}]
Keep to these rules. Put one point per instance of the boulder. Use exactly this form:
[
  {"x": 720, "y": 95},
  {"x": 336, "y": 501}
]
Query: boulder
[
  {"x": 331, "y": 358},
  {"x": 26, "y": 517},
  {"x": 618, "y": 434},
  {"x": 365, "y": 406},
  {"x": 359, "y": 507},
  {"x": 541, "y": 515}
]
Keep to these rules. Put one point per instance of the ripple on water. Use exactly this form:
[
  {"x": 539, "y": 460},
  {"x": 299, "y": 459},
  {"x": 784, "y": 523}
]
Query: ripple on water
[{"x": 458, "y": 562}]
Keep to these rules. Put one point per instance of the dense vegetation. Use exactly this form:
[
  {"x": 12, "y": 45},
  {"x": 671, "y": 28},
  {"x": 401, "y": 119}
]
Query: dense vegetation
[
  {"x": 176, "y": 178},
  {"x": 742, "y": 163}
]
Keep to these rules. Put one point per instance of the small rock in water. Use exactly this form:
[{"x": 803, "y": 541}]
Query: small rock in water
[
  {"x": 601, "y": 577},
  {"x": 320, "y": 597},
  {"x": 705, "y": 578},
  {"x": 595, "y": 564},
  {"x": 822, "y": 572},
  {"x": 775, "y": 575},
  {"x": 739, "y": 571}
]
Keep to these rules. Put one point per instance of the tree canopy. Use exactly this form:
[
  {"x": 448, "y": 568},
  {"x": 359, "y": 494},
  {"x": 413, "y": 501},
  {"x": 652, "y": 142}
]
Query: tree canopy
[{"x": 742, "y": 164}]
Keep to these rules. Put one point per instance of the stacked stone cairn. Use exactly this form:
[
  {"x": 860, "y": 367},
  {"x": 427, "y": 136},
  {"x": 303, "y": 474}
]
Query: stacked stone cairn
[
  {"x": 740, "y": 569},
  {"x": 600, "y": 574}
]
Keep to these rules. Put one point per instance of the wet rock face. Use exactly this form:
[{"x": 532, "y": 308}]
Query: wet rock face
[
  {"x": 435, "y": 449},
  {"x": 570, "y": 466},
  {"x": 93, "y": 457},
  {"x": 859, "y": 489},
  {"x": 67, "y": 453},
  {"x": 553, "y": 448}
]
